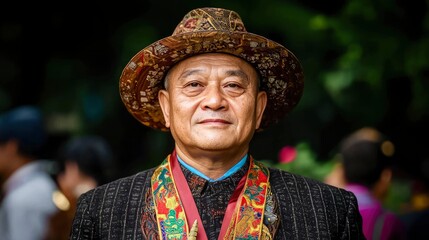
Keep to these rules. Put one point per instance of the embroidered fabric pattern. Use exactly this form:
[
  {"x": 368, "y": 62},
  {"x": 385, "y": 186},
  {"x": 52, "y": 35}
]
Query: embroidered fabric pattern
[
  {"x": 247, "y": 221},
  {"x": 169, "y": 210}
]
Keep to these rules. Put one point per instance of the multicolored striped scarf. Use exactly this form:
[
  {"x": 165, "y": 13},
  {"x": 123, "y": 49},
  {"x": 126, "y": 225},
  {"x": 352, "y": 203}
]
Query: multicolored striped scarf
[{"x": 177, "y": 215}]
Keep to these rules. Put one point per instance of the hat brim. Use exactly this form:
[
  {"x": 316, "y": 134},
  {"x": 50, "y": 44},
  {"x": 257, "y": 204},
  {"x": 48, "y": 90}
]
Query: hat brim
[{"x": 281, "y": 73}]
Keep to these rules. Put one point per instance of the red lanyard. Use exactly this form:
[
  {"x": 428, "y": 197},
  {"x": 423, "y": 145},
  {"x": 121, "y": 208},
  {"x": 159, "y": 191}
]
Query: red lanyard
[{"x": 190, "y": 207}]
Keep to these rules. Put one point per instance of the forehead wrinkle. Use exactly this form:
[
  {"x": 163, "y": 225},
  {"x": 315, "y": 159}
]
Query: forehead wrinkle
[
  {"x": 237, "y": 73},
  {"x": 189, "y": 72}
]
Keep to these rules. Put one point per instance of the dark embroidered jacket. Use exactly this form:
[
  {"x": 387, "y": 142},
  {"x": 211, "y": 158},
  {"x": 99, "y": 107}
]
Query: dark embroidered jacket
[{"x": 306, "y": 209}]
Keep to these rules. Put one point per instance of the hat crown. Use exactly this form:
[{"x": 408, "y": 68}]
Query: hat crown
[{"x": 210, "y": 19}]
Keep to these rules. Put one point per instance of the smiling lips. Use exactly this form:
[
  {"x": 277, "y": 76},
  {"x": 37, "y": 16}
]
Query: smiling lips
[{"x": 216, "y": 121}]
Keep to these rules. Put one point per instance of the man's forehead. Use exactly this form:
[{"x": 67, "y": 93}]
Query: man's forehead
[{"x": 231, "y": 65}]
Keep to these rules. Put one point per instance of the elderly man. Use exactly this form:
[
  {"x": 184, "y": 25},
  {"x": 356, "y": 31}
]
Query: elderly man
[{"x": 212, "y": 84}]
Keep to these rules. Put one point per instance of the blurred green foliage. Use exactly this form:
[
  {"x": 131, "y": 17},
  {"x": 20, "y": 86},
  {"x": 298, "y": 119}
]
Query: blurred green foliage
[{"x": 307, "y": 163}]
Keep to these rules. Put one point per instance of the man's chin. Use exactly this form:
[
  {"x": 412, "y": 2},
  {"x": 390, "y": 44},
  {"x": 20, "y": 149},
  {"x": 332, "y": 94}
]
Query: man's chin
[
  {"x": 215, "y": 134},
  {"x": 214, "y": 144}
]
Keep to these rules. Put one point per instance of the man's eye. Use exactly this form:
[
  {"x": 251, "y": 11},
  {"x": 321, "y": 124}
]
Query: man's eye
[
  {"x": 233, "y": 89},
  {"x": 193, "y": 85},
  {"x": 232, "y": 85},
  {"x": 193, "y": 88}
]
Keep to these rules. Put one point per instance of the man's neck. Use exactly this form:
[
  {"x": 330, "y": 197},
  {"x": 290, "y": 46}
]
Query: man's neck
[
  {"x": 230, "y": 172},
  {"x": 211, "y": 165}
]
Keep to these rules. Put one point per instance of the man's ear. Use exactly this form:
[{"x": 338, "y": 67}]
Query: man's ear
[
  {"x": 164, "y": 103},
  {"x": 261, "y": 103}
]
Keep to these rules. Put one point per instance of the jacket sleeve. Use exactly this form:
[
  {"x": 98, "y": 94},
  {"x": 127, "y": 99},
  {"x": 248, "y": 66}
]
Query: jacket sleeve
[{"x": 353, "y": 226}]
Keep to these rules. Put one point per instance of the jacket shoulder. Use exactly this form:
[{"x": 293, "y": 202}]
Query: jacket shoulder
[
  {"x": 279, "y": 178},
  {"x": 119, "y": 190},
  {"x": 105, "y": 210},
  {"x": 313, "y": 208}
]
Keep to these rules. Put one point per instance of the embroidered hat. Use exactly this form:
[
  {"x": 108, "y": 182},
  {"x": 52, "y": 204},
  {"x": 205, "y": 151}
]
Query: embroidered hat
[{"x": 211, "y": 30}]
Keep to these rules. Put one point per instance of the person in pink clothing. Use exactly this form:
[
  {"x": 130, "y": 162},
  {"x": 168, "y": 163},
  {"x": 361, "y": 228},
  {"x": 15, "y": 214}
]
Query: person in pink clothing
[{"x": 364, "y": 169}]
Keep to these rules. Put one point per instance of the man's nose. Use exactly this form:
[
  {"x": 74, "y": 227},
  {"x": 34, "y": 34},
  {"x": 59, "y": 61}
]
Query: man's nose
[{"x": 214, "y": 98}]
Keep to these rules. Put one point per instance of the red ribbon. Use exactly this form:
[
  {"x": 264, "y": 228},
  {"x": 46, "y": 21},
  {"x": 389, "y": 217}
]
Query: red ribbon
[{"x": 190, "y": 207}]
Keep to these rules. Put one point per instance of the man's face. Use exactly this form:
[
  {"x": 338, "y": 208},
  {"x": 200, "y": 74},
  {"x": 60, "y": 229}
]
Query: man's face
[{"x": 212, "y": 103}]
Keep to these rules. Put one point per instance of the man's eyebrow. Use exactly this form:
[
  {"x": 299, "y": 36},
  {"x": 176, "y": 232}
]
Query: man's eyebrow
[
  {"x": 238, "y": 73},
  {"x": 188, "y": 73}
]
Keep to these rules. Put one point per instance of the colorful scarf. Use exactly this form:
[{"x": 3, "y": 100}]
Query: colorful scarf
[{"x": 177, "y": 215}]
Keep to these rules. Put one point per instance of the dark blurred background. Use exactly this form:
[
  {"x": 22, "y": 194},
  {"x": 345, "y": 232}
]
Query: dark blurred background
[{"x": 366, "y": 63}]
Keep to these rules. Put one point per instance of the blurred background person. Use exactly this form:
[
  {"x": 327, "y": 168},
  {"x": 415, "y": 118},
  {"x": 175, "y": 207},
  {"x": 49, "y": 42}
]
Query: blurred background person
[
  {"x": 416, "y": 218},
  {"x": 364, "y": 167},
  {"x": 84, "y": 162},
  {"x": 27, "y": 187}
]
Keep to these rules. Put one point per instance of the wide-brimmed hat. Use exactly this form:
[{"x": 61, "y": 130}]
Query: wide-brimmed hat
[{"x": 211, "y": 30}]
